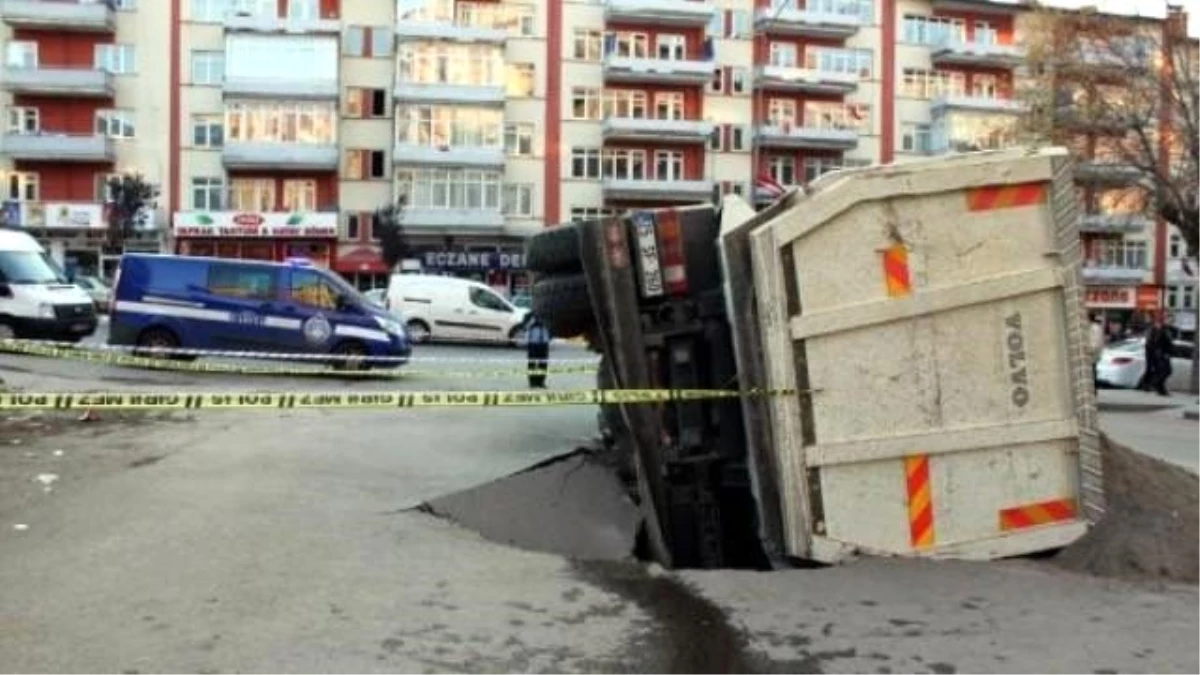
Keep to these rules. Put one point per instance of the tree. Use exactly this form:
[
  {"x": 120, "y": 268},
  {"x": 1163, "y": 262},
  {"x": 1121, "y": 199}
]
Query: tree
[
  {"x": 130, "y": 195},
  {"x": 1127, "y": 91},
  {"x": 389, "y": 227}
]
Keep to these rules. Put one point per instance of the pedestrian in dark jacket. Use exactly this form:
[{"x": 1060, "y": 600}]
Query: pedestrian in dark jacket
[
  {"x": 1159, "y": 347},
  {"x": 537, "y": 338}
]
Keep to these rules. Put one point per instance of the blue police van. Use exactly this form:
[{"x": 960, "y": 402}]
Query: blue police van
[{"x": 166, "y": 301}]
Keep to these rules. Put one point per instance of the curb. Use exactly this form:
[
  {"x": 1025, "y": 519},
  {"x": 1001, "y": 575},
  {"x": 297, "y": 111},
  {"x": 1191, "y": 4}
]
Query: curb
[
  {"x": 1193, "y": 415},
  {"x": 1134, "y": 407}
]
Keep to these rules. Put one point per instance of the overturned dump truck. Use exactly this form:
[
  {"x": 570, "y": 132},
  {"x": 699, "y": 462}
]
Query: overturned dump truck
[{"x": 911, "y": 348}]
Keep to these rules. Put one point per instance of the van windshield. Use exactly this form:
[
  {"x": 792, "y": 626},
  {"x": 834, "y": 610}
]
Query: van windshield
[{"x": 29, "y": 267}]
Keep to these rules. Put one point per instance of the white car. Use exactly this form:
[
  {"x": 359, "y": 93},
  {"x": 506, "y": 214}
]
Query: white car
[
  {"x": 1122, "y": 365},
  {"x": 377, "y": 296},
  {"x": 447, "y": 308}
]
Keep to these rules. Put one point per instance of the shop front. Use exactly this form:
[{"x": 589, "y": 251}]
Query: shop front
[
  {"x": 77, "y": 236},
  {"x": 1124, "y": 309},
  {"x": 272, "y": 236},
  {"x": 362, "y": 266},
  {"x": 502, "y": 267}
]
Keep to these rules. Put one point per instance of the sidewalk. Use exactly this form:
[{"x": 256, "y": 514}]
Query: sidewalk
[
  {"x": 1153, "y": 425},
  {"x": 1125, "y": 400}
]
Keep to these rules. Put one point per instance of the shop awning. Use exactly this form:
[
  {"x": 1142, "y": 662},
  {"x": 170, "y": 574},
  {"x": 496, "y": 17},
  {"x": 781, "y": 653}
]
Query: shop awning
[{"x": 360, "y": 260}]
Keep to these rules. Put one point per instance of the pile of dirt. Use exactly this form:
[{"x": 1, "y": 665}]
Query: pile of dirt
[{"x": 1151, "y": 529}]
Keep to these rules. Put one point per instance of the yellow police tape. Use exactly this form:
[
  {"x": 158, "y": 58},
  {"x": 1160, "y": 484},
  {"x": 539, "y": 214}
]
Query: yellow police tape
[
  {"x": 365, "y": 400},
  {"x": 135, "y": 361}
]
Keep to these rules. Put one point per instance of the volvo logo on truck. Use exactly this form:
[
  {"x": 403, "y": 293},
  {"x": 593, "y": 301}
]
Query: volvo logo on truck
[{"x": 1018, "y": 376}]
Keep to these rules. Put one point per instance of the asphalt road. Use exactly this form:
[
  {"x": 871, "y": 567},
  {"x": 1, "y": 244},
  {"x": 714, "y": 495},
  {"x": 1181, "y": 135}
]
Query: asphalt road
[{"x": 286, "y": 541}]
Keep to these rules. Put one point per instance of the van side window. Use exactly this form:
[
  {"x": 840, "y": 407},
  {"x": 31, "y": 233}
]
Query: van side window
[
  {"x": 487, "y": 300},
  {"x": 241, "y": 281},
  {"x": 309, "y": 288}
]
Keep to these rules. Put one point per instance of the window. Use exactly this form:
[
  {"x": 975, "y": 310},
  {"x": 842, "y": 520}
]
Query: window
[
  {"x": 585, "y": 103},
  {"x": 784, "y": 54},
  {"x": 739, "y": 77},
  {"x": 624, "y": 164},
  {"x": 588, "y": 44},
  {"x": 717, "y": 84},
  {"x": 836, "y": 115},
  {"x": 739, "y": 27},
  {"x": 383, "y": 40},
  {"x": 839, "y": 60},
  {"x": 206, "y": 194},
  {"x": 782, "y": 170},
  {"x": 585, "y": 163},
  {"x": 368, "y": 41},
  {"x": 252, "y": 194},
  {"x": 1175, "y": 246},
  {"x": 450, "y": 126},
  {"x": 627, "y": 44},
  {"x": 625, "y": 103},
  {"x": 1124, "y": 253},
  {"x": 353, "y": 229},
  {"x": 932, "y": 30},
  {"x": 209, "y": 11},
  {"x": 24, "y": 120},
  {"x": 917, "y": 83},
  {"x": 125, "y": 5},
  {"x": 281, "y": 122},
  {"x": 1181, "y": 297},
  {"x": 517, "y": 19},
  {"x": 985, "y": 85},
  {"x": 668, "y": 165},
  {"x": 453, "y": 63},
  {"x": 451, "y": 188},
  {"x": 986, "y": 33},
  {"x": 22, "y": 186},
  {"x": 242, "y": 281},
  {"x": 581, "y": 214},
  {"x": 668, "y": 105},
  {"x": 739, "y": 138},
  {"x": 364, "y": 164},
  {"x": 299, "y": 195},
  {"x": 116, "y": 59},
  {"x": 308, "y": 287},
  {"x": 520, "y": 79},
  {"x": 303, "y": 10},
  {"x": 208, "y": 68},
  {"x": 483, "y": 298},
  {"x": 915, "y": 138},
  {"x": 518, "y": 139},
  {"x": 815, "y": 167},
  {"x": 671, "y": 47},
  {"x": 104, "y": 191},
  {"x": 518, "y": 200},
  {"x": 366, "y": 103},
  {"x": 208, "y": 131},
  {"x": 354, "y": 42},
  {"x": 781, "y": 112},
  {"x": 21, "y": 54},
  {"x": 115, "y": 123}
]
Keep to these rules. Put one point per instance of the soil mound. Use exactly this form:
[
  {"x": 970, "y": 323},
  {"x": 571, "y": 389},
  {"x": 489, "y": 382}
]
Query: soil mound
[{"x": 1151, "y": 529}]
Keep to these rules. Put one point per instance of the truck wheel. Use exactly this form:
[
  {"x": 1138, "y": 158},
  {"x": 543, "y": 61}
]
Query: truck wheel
[
  {"x": 564, "y": 304},
  {"x": 554, "y": 250}
]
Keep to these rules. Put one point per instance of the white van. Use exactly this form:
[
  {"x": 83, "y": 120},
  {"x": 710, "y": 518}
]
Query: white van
[
  {"x": 36, "y": 300},
  {"x": 447, "y": 308}
]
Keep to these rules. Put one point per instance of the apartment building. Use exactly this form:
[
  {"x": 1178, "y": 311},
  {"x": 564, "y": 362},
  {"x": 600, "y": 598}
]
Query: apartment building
[
  {"x": 84, "y": 98},
  {"x": 278, "y": 127}
]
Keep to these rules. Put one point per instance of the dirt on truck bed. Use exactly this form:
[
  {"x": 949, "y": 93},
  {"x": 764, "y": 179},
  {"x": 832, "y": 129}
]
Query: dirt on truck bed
[{"x": 1151, "y": 529}]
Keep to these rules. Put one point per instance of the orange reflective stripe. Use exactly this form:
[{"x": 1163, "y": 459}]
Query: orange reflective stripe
[
  {"x": 895, "y": 271},
  {"x": 1005, "y": 196},
  {"x": 1042, "y": 513},
  {"x": 920, "y": 501}
]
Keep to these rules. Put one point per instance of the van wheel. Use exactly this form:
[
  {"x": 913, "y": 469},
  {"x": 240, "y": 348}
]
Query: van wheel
[
  {"x": 7, "y": 332},
  {"x": 418, "y": 331},
  {"x": 355, "y": 354},
  {"x": 517, "y": 335},
  {"x": 156, "y": 338}
]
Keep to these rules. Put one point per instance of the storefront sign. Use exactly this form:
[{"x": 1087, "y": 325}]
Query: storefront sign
[
  {"x": 1111, "y": 297},
  {"x": 473, "y": 260},
  {"x": 252, "y": 224},
  {"x": 1148, "y": 298},
  {"x": 74, "y": 216}
]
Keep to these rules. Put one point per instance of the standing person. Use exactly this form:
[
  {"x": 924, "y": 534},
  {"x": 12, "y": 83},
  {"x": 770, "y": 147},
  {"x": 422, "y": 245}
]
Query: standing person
[
  {"x": 1158, "y": 356},
  {"x": 1097, "y": 343},
  {"x": 537, "y": 338}
]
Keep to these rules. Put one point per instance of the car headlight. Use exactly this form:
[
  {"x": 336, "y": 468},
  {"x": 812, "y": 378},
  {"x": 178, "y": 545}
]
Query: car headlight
[
  {"x": 390, "y": 326},
  {"x": 46, "y": 310}
]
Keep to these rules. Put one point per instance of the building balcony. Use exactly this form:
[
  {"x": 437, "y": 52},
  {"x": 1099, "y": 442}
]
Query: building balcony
[
  {"x": 806, "y": 23},
  {"x": 1096, "y": 273},
  {"x": 49, "y": 146},
  {"x": 1114, "y": 223},
  {"x": 802, "y": 137},
  {"x": 805, "y": 80},
  {"x": 625, "y": 69},
  {"x": 690, "y": 13},
  {"x": 55, "y": 81},
  {"x": 255, "y": 87},
  {"x": 285, "y": 156},
  {"x": 446, "y": 29},
  {"x": 64, "y": 15},
  {"x": 955, "y": 52},
  {"x": 672, "y": 191},
  {"x": 1182, "y": 272},
  {"x": 1106, "y": 172},
  {"x": 471, "y": 156},
  {"x": 666, "y": 131},
  {"x": 270, "y": 23},
  {"x": 988, "y": 104},
  {"x": 450, "y": 94},
  {"x": 471, "y": 220}
]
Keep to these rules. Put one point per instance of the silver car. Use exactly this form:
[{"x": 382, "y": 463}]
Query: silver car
[{"x": 100, "y": 292}]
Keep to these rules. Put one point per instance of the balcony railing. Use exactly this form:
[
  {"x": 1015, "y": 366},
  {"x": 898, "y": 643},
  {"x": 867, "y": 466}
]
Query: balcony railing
[
  {"x": 1103, "y": 273},
  {"x": 480, "y": 22},
  {"x": 808, "y": 23},
  {"x": 57, "y": 147},
  {"x": 658, "y": 71},
  {"x": 807, "y": 137},
  {"x": 59, "y": 81},
  {"x": 484, "y": 220},
  {"x": 1114, "y": 223},
  {"x": 475, "y": 156},
  {"x": 261, "y": 87},
  {"x": 439, "y": 92},
  {"x": 289, "y": 156},
  {"x": 672, "y": 191},
  {"x": 990, "y": 104},
  {"x": 806, "y": 80},
  {"x": 956, "y": 51},
  {"x": 636, "y": 129},
  {"x": 272, "y": 23},
  {"x": 660, "y": 12},
  {"x": 69, "y": 15},
  {"x": 448, "y": 29}
]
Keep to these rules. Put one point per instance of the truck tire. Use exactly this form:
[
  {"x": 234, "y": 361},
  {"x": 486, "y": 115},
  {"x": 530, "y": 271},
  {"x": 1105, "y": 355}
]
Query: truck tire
[
  {"x": 564, "y": 304},
  {"x": 554, "y": 251}
]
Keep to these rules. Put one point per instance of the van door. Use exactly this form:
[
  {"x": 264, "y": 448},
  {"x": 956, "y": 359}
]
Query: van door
[
  {"x": 488, "y": 316},
  {"x": 317, "y": 308},
  {"x": 249, "y": 293}
]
